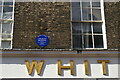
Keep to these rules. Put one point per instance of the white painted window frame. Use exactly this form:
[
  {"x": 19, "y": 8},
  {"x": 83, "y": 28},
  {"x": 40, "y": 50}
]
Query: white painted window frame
[
  {"x": 103, "y": 27},
  {"x": 12, "y": 20}
]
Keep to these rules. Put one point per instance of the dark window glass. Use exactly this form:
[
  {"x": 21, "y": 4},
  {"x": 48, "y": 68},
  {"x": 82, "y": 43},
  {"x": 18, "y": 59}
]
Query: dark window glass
[
  {"x": 5, "y": 44},
  {"x": 95, "y": 3},
  {"x": 76, "y": 28},
  {"x": 87, "y": 28},
  {"x": 7, "y": 12},
  {"x": 8, "y": 3},
  {"x": 77, "y": 41},
  {"x": 76, "y": 14},
  {"x": 97, "y": 28},
  {"x": 0, "y": 11},
  {"x": 86, "y": 14},
  {"x": 8, "y": 0},
  {"x": 7, "y": 28},
  {"x": 75, "y": 4},
  {"x": 98, "y": 41},
  {"x": 96, "y": 14},
  {"x": 0, "y": 2},
  {"x": 88, "y": 41},
  {"x": 86, "y": 3},
  {"x": 7, "y": 9},
  {"x": 6, "y": 36}
]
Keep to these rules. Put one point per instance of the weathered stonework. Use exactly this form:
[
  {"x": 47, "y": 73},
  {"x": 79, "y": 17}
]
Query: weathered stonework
[
  {"x": 50, "y": 19},
  {"x": 53, "y": 20},
  {"x": 112, "y": 24}
]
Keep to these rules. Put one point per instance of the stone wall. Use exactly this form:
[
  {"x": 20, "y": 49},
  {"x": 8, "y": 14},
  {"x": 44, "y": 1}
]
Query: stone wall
[
  {"x": 53, "y": 20},
  {"x": 50, "y": 19},
  {"x": 112, "y": 14}
]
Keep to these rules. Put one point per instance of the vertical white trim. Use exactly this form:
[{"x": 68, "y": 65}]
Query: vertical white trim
[
  {"x": 103, "y": 25},
  {"x": 12, "y": 24},
  {"x": 92, "y": 23},
  {"x": 82, "y": 23},
  {"x": 1, "y": 24},
  {"x": 71, "y": 24}
]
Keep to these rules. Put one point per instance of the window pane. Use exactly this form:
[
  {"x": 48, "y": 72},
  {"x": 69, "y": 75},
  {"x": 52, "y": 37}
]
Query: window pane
[
  {"x": 77, "y": 41},
  {"x": 0, "y": 2},
  {"x": 76, "y": 14},
  {"x": 76, "y": 28},
  {"x": 5, "y": 44},
  {"x": 8, "y": 0},
  {"x": 7, "y": 12},
  {"x": 86, "y": 14},
  {"x": 0, "y": 8},
  {"x": 96, "y": 14},
  {"x": 98, "y": 40},
  {"x": 8, "y": 3},
  {"x": 75, "y": 4},
  {"x": 87, "y": 28},
  {"x": 86, "y": 3},
  {"x": 88, "y": 43},
  {"x": 6, "y": 36},
  {"x": 7, "y": 9},
  {"x": 0, "y": 11},
  {"x": 7, "y": 15},
  {"x": 95, "y": 3},
  {"x": 97, "y": 28},
  {"x": 0, "y": 27},
  {"x": 7, "y": 28}
]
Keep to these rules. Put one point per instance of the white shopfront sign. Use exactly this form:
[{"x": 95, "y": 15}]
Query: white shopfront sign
[{"x": 19, "y": 68}]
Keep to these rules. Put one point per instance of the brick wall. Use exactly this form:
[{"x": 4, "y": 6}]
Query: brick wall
[
  {"x": 112, "y": 13},
  {"x": 50, "y": 19},
  {"x": 53, "y": 20}
]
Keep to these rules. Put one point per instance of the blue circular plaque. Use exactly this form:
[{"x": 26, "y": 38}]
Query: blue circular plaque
[{"x": 42, "y": 40}]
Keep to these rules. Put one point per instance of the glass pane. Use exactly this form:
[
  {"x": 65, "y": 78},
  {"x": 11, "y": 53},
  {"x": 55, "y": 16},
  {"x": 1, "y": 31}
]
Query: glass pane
[
  {"x": 86, "y": 3},
  {"x": 7, "y": 28},
  {"x": 7, "y": 9},
  {"x": 95, "y": 3},
  {"x": 88, "y": 43},
  {"x": 8, "y": 3},
  {"x": 76, "y": 28},
  {"x": 75, "y": 4},
  {"x": 0, "y": 12},
  {"x": 97, "y": 28},
  {"x": 86, "y": 14},
  {"x": 8, "y": 0},
  {"x": 76, "y": 14},
  {"x": 6, "y": 36},
  {"x": 96, "y": 14},
  {"x": 87, "y": 28},
  {"x": 0, "y": 2},
  {"x": 0, "y": 8},
  {"x": 5, "y": 44},
  {"x": 0, "y": 27},
  {"x": 77, "y": 41},
  {"x": 98, "y": 40},
  {"x": 7, "y": 15}
]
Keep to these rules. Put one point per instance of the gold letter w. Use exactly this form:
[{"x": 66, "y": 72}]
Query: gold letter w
[{"x": 30, "y": 66}]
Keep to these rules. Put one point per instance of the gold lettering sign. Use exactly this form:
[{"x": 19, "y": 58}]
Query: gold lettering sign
[
  {"x": 103, "y": 65},
  {"x": 38, "y": 66},
  {"x": 71, "y": 67},
  {"x": 86, "y": 67},
  {"x": 34, "y": 64}
]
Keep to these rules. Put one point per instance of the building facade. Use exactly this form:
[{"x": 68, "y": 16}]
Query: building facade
[{"x": 83, "y": 40}]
